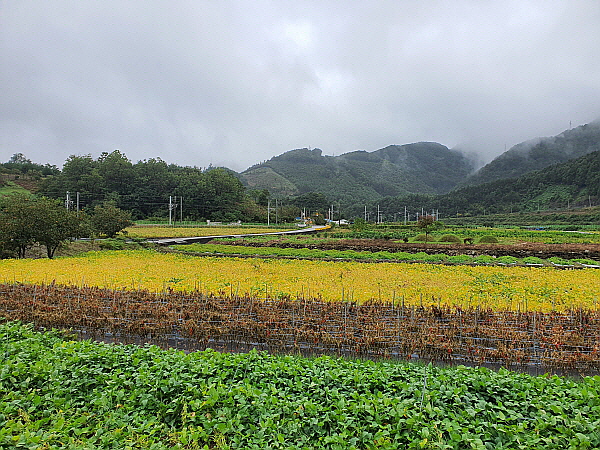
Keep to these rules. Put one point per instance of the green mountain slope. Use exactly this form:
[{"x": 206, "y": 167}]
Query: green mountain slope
[
  {"x": 572, "y": 183},
  {"x": 575, "y": 183},
  {"x": 361, "y": 176},
  {"x": 539, "y": 153}
]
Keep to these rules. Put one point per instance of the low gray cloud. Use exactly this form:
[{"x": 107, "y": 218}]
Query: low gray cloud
[{"x": 236, "y": 82}]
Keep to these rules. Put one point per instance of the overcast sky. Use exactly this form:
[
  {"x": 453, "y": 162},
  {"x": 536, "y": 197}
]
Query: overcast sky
[{"x": 234, "y": 83}]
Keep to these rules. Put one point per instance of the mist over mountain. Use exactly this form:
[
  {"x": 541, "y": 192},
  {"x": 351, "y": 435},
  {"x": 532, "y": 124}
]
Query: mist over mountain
[
  {"x": 538, "y": 153},
  {"x": 360, "y": 176},
  {"x": 559, "y": 187},
  {"x": 542, "y": 173}
]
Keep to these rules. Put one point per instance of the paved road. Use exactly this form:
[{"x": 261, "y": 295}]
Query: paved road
[{"x": 204, "y": 239}]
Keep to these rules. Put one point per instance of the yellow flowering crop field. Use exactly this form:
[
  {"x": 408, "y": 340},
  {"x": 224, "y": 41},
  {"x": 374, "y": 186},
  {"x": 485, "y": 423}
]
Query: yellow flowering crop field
[
  {"x": 514, "y": 288},
  {"x": 155, "y": 232}
]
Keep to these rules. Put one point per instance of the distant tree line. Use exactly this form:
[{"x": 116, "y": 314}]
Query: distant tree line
[
  {"x": 151, "y": 187},
  {"x": 19, "y": 165},
  {"x": 154, "y": 189}
]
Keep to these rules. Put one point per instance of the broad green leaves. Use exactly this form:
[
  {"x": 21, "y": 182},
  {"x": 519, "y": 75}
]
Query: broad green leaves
[{"x": 65, "y": 394}]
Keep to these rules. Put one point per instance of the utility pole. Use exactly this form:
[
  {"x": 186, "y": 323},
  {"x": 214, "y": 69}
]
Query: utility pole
[
  {"x": 405, "y": 215},
  {"x": 173, "y": 207},
  {"x": 68, "y": 201},
  {"x": 365, "y": 213},
  {"x": 268, "y": 212}
]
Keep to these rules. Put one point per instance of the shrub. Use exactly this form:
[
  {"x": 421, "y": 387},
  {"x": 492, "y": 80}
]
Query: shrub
[
  {"x": 404, "y": 256},
  {"x": 419, "y": 256},
  {"x": 488, "y": 240},
  {"x": 383, "y": 255},
  {"x": 450, "y": 238},
  {"x": 111, "y": 244},
  {"x": 436, "y": 257}
]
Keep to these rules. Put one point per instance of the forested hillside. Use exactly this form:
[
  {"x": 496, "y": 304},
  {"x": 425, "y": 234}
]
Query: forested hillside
[
  {"x": 572, "y": 184},
  {"x": 539, "y": 153},
  {"x": 361, "y": 176},
  {"x": 421, "y": 177},
  {"x": 145, "y": 188}
]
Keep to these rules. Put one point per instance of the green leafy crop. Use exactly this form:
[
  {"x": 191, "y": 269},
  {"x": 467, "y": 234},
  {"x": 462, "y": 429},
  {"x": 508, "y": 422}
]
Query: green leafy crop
[{"x": 60, "y": 394}]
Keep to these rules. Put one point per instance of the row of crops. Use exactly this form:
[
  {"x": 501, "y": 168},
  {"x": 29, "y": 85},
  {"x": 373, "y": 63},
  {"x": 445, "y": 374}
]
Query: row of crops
[
  {"x": 489, "y": 287},
  {"x": 308, "y": 253},
  {"x": 504, "y": 235},
  {"x": 59, "y": 394},
  {"x": 527, "y": 340}
]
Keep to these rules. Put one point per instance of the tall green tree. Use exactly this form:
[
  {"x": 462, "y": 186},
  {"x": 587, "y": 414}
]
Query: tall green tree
[
  {"x": 17, "y": 223},
  {"x": 55, "y": 225},
  {"x": 28, "y": 220},
  {"x": 109, "y": 220},
  {"x": 428, "y": 224},
  {"x": 117, "y": 172},
  {"x": 144, "y": 188},
  {"x": 221, "y": 194}
]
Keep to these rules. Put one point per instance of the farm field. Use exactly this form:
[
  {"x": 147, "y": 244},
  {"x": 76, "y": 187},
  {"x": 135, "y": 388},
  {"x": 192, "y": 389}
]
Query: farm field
[
  {"x": 382, "y": 255},
  {"x": 502, "y": 235},
  {"x": 155, "y": 232},
  {"x": 509, "y": 236},
  {"x": 521, "y": 250},
  {"x": 536, "y": 342},
  {"x": 57, "y": 393},
  {"x": 511, "y": 288}
]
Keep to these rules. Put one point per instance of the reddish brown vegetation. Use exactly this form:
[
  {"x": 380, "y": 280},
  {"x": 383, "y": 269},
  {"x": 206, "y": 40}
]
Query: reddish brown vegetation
[{"x": 530, "y": 340}]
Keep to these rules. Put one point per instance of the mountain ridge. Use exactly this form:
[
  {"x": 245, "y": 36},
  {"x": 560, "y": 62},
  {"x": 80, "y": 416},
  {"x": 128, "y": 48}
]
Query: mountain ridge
[
  {"x": 539, "y": 153},
  {"x": 421, "y": 167}
]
